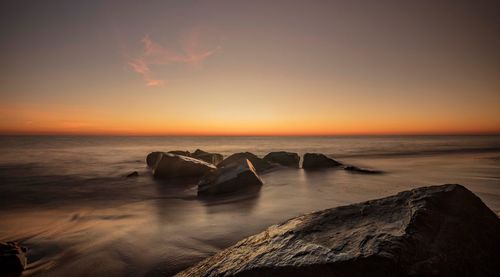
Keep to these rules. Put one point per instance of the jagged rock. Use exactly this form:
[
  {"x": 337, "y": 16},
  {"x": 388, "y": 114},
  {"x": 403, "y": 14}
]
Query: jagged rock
[
  {"x": 133, "y": 174},
  {"x": 283, "y": 158},
  {"x": 316, "y": 161},
  {"x": 355, "y": 169},
  {"x": 153, "y": 158},
  {"x": 238, "y": 176},
  {"x": 259, "y": 164},
  {"x": 213, "y": 158},
  {"x": 430, "y": 231},
  {"x": 171, "y": 166},
  {"x": 12, "y": 258}
]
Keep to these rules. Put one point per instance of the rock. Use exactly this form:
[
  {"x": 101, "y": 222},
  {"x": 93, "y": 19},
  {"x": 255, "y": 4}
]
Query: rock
[
  {"x": 235, "y": 177},
  {"x": 355, "y": 169},
  {"x": 153, "y": 158},
  {"x": 259, "y": 164},
  {"x": 180, "y": 152},
  {"x": 430, "y": 231},
  {"x": 213, "y": 158},
  {"x": 12, "y": 257},
  {"x": 316, "y": 160},
  {"x": 171, "y": 166},
  {"x": 283, "y": 158},
  {"x": 133, "y": 174}
]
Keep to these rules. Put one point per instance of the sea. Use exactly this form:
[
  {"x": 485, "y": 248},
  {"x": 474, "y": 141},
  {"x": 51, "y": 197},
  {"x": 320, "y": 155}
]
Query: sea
[{"x": 67, "y": 198}]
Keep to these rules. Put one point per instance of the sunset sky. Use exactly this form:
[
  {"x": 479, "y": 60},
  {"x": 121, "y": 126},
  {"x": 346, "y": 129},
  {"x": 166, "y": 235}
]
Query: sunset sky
[{"x": 249, "y": 67}]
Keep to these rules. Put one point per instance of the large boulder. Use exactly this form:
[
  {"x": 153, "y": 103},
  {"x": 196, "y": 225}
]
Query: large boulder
[
  {"x": 170, "y": 166},
  {"x": 316, "y": 161},
  {"x": 213, "y": 158},
  {"x": 12, "y": 258},
  {"x": 237, "y": 177},
  {"x": 430, "y": 231},
  {"x": 259, "y": 164},
  {"x": 284, "y": 158},
  {"x": 152, "y": 158}
]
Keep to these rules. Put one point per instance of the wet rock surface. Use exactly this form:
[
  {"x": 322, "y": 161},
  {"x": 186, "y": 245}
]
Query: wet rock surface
[
  {"x": 318, "y": 161},
  {"x": 172, "y": 166},
  {"x": 240, "y": 176},
  {"x": 260, "y": 165},
  {"x": 430, "y": 231},
  {"x": 12, "y": 258},
  {"x": 284, "y": 158}
]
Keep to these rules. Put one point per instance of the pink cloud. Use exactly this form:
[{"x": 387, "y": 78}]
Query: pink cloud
[{"x": 193, "y": 52}]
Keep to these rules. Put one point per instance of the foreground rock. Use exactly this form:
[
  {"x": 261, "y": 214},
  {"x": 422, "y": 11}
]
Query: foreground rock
[
  {"x": 237, "y": 177},
  {"x": 283, "y": 158},
  {"x": 213, "y": 158},
  {"x": 259, "y": 164},
  {"x": 431, "y": 231},
  {"x": 317, "y": 161},
  {"x": 153, "y": 158},
  {"x": 171, "y": 166},
  {"x": 355, "y": 169},
  {"x": 12, "y": 258}
]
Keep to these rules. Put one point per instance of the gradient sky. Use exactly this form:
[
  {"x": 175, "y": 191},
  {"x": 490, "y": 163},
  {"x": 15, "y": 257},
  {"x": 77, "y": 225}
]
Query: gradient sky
[{"x": 249, "y": 67}]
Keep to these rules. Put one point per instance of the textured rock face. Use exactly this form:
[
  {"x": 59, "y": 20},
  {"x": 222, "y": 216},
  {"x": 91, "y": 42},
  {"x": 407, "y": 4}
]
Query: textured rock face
[
  {"x": 213, "y": 158},
  {"x": 259, "y": 164},
  {"x": 171, "y": 166},
  {"x": 283, "y": 158},
  {"x": 237, "y": 177},
  {"x": 316, "y": 161},
  {"x": 430, "y": 231},
  {"x": 12, "y": 258}
]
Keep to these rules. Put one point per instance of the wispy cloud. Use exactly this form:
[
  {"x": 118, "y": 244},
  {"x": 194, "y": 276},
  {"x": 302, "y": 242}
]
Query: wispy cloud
[{"x": 193, "y": 52}]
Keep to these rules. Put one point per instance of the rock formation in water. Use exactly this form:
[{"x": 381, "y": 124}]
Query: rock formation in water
[
  {"x": 12, "y": 258},
  {"x": 213, "y": 158},
  {"x": 317, "y": 161},
  {"x": 284, "y": 158},
  {"x": 259, "y": 164},
  {"x": 430, "y": 231},
  {"x": 355, "y": 169},
  {"x": 170, "y": 166},
  {"x": 237, "y": 177},
  {"x": 153, "y": 158}
]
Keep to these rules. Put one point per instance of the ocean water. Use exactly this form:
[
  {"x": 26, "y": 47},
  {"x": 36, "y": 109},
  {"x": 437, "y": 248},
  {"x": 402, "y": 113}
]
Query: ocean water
[{"x": 67, "y": 200}]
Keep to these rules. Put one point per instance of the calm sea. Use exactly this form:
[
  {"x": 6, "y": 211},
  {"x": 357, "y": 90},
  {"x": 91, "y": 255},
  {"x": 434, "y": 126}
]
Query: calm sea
[{"x": 66, "y": 198}]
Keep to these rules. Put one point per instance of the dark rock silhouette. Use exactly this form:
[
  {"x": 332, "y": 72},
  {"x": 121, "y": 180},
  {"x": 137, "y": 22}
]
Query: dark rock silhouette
[
  {"x": 171, "y": 166},
  {"x": 317, "y": 161},
  {"x": 236, "y": 177},
  {"x": 133, "y": 174},
  {"x": 259, "y": 164},
  {"x": 284, "y": 158},
  {"x": 430, "y": 231},
  {"x": 213, "y": 158},
  {"x": 355, "y": 169},
  {"x": 12, "y": 258},
  {"x": 153, "y": 158}
]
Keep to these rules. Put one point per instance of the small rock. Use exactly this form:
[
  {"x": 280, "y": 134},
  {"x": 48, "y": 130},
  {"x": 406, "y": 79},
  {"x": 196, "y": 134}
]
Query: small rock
[
  {"x": 316, "y": 161},
  {"x": 133, "y": 174},
  {"x": 12, "y": 257},
  {"x": 355, "y": 169},
  {"x": 172, "y": 166},
  {"x": 283, "y": 158},
  {"x": 259, "y": 164},
  {"x": 239, "y": 176}
]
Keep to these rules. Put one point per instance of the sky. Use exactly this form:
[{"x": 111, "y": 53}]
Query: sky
[{"x": 249, "y": 67}]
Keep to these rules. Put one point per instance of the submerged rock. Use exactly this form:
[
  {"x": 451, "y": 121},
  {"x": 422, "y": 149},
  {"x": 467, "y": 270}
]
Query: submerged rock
[
  {"x": 239, "y": 176},
  {"x": 133, "y": 174},
  {"x": 430, "y": 231},
  {"x": 259, "y": 164},
  {"x": 12, "y": 257},
  {"x": 316, "y": 160},
  {"x": 153, "y": 158},
  {"x": 355, "y": 169},
  {"x": 213, "y": 158},
  {"x": 284, "y": 158},
  {"x": 171, "y": 166}
]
